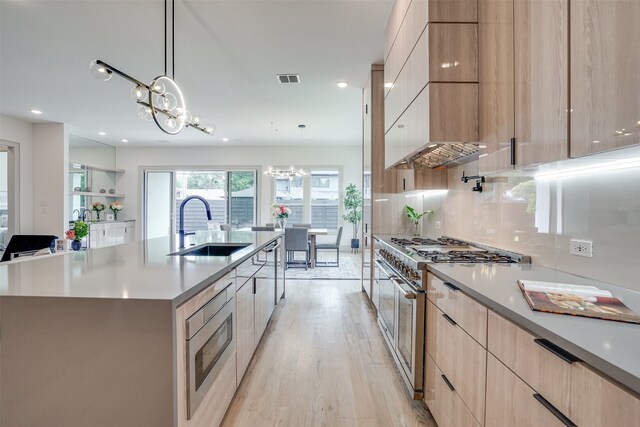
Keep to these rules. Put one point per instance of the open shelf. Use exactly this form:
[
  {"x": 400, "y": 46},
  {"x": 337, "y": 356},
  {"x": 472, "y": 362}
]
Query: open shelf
[
  {"x": 73, "y": 165},
  {"x": 92, "y": 194}
]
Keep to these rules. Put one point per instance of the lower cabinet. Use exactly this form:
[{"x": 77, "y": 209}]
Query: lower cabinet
[
  {"x": 103, "y": 234},
  {"x": 511, "y": 402},
  {"x": 445, "y": 404},
  {"x": 246, "y": 342}
]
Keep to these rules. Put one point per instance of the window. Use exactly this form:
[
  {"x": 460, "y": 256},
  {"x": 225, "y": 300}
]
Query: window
[
  {"x": 325, "y": 192},
  {"x": 290, "y": 192}
]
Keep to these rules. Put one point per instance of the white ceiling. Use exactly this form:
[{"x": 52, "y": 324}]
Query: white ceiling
[{"x": 227, "y": 56}]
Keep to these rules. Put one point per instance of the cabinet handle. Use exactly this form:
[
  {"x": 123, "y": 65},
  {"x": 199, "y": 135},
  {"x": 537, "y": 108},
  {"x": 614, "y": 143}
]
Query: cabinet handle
[
  {"x": 559, "y": 415},
  {"x": 404, "y": 184},
  {"x": 449, "y": 319},
  {"x": 513, "y": 151},
  {"x": 254, "y": 286},
  {"x": 103, "y": 232},
  {"x": 448, "y": 383},
  {"x": 451, "y": 286},
  {"x": 561, "y": 353}
]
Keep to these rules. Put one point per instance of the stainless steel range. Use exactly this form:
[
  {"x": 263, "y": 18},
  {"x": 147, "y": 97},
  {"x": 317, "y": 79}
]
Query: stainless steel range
[{"x": 401, "y": 276}]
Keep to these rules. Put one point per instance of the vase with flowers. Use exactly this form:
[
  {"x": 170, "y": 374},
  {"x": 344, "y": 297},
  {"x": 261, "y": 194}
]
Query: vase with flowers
[
  {"x": 115, "y": 208},
  {"x": 280, "y": 214},
  {"x": 97, "y": 207},
  {"x": 77, "y": 233}
]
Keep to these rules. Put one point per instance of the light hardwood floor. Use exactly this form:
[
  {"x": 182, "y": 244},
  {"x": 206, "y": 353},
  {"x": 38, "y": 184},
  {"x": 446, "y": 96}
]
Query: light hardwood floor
[{"x": 322, "y": 362}]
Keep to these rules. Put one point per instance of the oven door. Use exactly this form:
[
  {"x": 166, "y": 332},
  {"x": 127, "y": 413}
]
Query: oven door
[
  {"x": 208, "y": 351},
  {"x": 409, "y": 344},
  {"x": 387, "y": 300}
]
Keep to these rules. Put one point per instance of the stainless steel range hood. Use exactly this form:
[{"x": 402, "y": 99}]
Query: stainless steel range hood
[{"x": 448, "y": 154}]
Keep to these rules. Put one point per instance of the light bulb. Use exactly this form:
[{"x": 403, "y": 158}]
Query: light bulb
[
  {"x": 209, "y": 129},
  {"x": 144, "y": 112},
  {"x": 171, "y": 123},
  {"x": 99, "y": 71},
  {"x": 196, "y": 120},
  {"x": 183, "y": 116},
  {"x": 139, "y": 93},
  {"x": 158, "y": 87},
  {"x": 169, "y": 101}
]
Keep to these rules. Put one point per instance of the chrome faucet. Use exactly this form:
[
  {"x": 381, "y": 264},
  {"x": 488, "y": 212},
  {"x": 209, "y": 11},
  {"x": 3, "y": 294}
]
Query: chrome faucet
[
  {"x": 181, "y": 232},
  {"x": 84, "y": 213}
]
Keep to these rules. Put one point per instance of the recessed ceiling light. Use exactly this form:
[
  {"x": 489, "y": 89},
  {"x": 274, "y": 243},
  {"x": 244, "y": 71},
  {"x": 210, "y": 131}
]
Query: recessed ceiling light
[
  {"x": 432, "y": 145},
  {"x": 125, "y": 140},
  {"x": 36, "y": 112},
  {"x": 596, "y": 142},
  {"x": 225, "y": 139},
  {"x": 102, "y": 133},
  {"x": 482, "y": 146},
  {"x": 342, "y": 85},
  {"x": 388, "y": 84}
]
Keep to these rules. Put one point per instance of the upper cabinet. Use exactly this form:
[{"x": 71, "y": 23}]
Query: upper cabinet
[
  {"x": 431, "y": 74},
  {"x": 605, "y": 75},
  {"x": 523, "y": 82}
]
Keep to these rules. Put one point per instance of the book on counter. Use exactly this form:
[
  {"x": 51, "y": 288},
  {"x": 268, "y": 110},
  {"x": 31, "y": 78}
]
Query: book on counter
[{"x": 576, "y": 300}]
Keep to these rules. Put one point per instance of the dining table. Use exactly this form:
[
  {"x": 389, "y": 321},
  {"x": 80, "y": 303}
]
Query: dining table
[{"x": 313, "y": 233}]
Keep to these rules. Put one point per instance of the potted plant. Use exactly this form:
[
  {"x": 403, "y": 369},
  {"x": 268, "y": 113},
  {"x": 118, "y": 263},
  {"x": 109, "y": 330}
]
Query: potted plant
[
  {"x": 77, "y": 233},
  {"x": 415, "y": 217},
  {"x": 353, "y": 208}
]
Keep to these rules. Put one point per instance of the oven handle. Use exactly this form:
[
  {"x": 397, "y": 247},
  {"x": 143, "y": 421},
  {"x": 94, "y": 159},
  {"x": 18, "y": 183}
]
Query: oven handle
[
  {"x": 400, "y": 286},
  {"x": 381, "y": 265}
]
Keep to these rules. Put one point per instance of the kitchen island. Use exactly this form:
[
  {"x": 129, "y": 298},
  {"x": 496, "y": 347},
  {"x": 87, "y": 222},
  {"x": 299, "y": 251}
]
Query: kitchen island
[{"x": 92, "y": 337}]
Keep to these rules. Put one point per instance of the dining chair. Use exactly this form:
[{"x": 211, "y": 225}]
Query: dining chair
[
  {"x": 297, "y": 240},
  {"x": 270, "y": 224},
  {"x": 302, "y": 225},
  {"x": 330, "y": 246},
  {"x": 261, "y": 228},
  {"x": 225, "y": 227}
]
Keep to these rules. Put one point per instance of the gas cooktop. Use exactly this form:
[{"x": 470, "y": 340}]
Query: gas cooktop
[
  {"x": 467, "y": 256},
  {"x": 425, "y": 241}
]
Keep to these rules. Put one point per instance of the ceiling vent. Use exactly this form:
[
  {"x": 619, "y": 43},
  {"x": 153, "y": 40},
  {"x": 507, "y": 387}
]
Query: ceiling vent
[{"x": 288, "y": 78}]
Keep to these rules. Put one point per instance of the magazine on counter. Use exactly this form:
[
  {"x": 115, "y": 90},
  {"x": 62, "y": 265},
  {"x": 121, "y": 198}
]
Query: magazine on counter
[{"x": 576, "y": 300}]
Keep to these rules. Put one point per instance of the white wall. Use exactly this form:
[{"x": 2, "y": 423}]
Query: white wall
[
  {"x": 51, "y": 178},
  {"x": 21, "y": 133},
  {"x": 133, "y": 160}
]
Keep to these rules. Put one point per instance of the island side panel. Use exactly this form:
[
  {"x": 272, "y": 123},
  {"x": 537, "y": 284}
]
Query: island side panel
[{"x": 79, "y": 361}]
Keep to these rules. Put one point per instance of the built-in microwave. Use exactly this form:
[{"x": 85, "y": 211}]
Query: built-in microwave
[{"x": 210, "y": 344}]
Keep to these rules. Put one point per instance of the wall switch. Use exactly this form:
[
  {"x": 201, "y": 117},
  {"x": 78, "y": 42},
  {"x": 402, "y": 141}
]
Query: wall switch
[
  {"x": 581, "y": 248},
  {"x": 438, "y": 225}
]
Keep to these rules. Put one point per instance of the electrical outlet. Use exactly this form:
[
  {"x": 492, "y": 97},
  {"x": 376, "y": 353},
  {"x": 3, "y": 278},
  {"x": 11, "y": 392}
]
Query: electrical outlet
[
  {"x": 581, "y": 248},
  {"x": 438, "y": 225}
]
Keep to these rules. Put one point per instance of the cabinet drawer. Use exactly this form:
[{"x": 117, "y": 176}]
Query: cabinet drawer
[
  {"x": 444, "y": 403},
  {"x": 597, "y": 401},
  {"x": 248, "y": 269},
  {"x": 469, "y": 314},
  {"x": 511, "y": 402},
  {"x": 532, "y": 360},
  {"x": 461, "y": 359}
]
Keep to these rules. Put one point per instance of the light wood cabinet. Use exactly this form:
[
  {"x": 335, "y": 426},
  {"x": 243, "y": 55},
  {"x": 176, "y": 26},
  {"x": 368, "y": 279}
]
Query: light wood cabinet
[
  {"x": 462, "y": 360},
  {"x": 598, "y": 401},
  {"x": 605, "y": 59},
  {"x": 442, "y": 112},
  {"x": 420, "y": 179},
  {"x": 511, "y": 402},
  {"x": 441, "y": 398},
  {"x": 496, "y": 109},
  {"x": 548, "y": 373},
  {"x": 245, "y": 337},
  {"x": 523, "y": 72},
  {"x": 541, "y": 81},
  {"x": 468, "y": 313}
]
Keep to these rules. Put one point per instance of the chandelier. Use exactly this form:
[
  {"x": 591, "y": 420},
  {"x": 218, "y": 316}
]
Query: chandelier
[
  {"x": 161, "y": 100},
  {"x": 292, "y": 172}
]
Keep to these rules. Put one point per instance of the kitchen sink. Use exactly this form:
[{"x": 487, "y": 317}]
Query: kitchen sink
[{"x": 212, "y": 249}]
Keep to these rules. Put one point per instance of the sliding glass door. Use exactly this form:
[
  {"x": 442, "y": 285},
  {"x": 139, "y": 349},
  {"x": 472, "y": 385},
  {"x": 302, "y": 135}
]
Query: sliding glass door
[{"x": 231, "y": 196}]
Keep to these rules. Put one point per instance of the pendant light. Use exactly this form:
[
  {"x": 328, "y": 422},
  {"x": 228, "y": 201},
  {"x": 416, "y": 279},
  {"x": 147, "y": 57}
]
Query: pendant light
[{"x": 161, "y": 100}]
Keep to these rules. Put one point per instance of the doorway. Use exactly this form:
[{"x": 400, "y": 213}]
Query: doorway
[{"x": 9, "y": 185}]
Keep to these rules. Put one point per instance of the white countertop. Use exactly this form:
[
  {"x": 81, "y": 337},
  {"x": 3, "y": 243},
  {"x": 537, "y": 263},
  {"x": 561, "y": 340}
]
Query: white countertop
[{"x": 137, "y": 270}]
